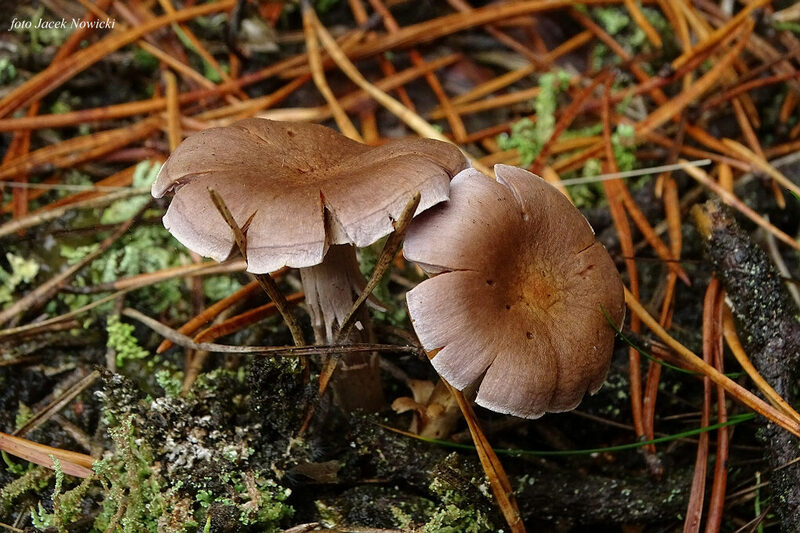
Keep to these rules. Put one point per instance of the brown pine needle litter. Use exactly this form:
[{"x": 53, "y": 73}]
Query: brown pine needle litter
[{"x": 163, "y": 371}]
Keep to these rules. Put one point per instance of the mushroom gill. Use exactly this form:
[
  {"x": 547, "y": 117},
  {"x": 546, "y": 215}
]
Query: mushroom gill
[{"x": 518, "y": 294}]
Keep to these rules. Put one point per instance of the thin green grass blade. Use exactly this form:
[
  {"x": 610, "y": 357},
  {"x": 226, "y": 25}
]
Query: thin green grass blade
[{"x": 588, "y": 451}]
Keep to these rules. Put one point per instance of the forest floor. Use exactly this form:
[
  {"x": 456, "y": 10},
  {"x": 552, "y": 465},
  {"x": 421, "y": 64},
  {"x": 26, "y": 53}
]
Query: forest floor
[{"x": 106, "y": 428}]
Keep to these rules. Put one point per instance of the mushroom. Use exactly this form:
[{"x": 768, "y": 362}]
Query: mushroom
[
  {"x": 305, "y": 195},
  {"x": 518, "y": 293}
]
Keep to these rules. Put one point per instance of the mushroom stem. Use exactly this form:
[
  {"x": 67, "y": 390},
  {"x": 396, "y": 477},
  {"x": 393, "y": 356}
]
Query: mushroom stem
[{"x": 331, "y": 289}]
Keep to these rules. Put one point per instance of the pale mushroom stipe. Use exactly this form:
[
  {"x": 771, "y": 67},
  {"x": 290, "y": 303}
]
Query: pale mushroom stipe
[
  {"x": 307, "y": 195},
  {"x": 517, "y": 295}
]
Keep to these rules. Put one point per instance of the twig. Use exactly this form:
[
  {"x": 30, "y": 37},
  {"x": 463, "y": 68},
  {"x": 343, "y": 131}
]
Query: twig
[
  {"x": 315, "y": 64},
  {"x": 72, "y": 463},
  {"x": 696, "y": 364},
  {"x": 390, "y": 249},
  {"x": 414, "y": 121},
  {"x": 10, "y": 332},
  {"x": 733, "y": 201},
  {"x": 213, "y": 310},
  {"x": 264, "y": 280},
  {"x": 40, "y": 218},
  {"x": 241, "y": 321},
  {"x": 268, "y": 351},
  {"x": 57, "y": 404}
]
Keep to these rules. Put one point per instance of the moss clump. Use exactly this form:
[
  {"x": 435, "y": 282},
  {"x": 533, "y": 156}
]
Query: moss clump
[
  {"x": 454, "y": 519},
  {"x": 122, "y": 341},
  {"x": 143, "y": 176},
  {"x": 203, "y": 462},
  {"x": 32, "y": 480},
  {"x": 528, "y": 137},
  {"x": 66, "y": 505},
  {"x": 22, "y": 271},
  {"x": 624, "y": 145},
  {"x": 186, "y": 462},
  {"x": 463, "y": 502}
]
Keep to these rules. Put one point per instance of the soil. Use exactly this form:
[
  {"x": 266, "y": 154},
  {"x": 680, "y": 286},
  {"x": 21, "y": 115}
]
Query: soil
[{"x": 228, "y": 455}]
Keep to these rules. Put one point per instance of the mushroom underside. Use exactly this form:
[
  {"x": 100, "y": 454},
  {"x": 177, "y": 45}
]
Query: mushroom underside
[
  {"x": 535, "y": 347},
  {"x": 519, "y": 298}
]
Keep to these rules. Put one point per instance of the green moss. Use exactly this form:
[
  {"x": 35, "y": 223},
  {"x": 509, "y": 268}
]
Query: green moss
[
  {"x": 143, "y": 176},
  {"x": 8, "y": 72},
  {"x": 218, "y": 287},
  {"x": 588, "y": 195},
  {"x": 144, "y": 249},
  {"x": 171, "y": 381},
  {"x": 41, "y": 37},
  {"x": 787, "y": 26},
  {"x": 134, "y": 501},
  {"x": 617, "y": 22},
  {"x": 24, "y": 414},
  {"x": 455, "y": 514},
  {"x": 624, "y": 145},
  {"x": 22, "y": 271},
  {"x": 268, "y": 507},
  {"x": 613, "y": 19},
  {"x": 546, "y": 102},
  {"x": 395, "y": 313},
  {"x": 14, "y": 468},
  {"x": 454, "y": 519},
  {"x": 528, "y": 137},
  {"x": 144, "y": 60},
  {"x": 40, "y": 518},
  {"x": 122, "y": 341},
  {"x": 34, "y": 480},
  {"x": 66, "y": 505},
  {"x": 169, "y": 472},
  {"x": 458, "y": 510}
]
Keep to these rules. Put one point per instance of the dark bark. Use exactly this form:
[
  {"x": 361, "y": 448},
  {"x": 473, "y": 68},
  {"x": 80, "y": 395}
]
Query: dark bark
[{"x": 766, "y": 319}]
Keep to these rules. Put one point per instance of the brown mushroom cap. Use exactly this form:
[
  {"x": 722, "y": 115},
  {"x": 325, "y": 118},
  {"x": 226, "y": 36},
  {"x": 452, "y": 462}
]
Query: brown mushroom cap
[
  {"x": 287, "y": 174},
  {"x": 519, "y": 298}
]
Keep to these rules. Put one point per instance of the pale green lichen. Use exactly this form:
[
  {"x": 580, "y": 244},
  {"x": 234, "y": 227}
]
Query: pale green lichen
[
  {"x": 455, "y": 514},
  {"x": 22, "y": 271}
]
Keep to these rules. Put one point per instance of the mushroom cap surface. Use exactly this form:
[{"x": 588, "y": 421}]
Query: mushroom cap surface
[
  {"x": 518, "y": 294},
  {"x": 304, "y": 185}
]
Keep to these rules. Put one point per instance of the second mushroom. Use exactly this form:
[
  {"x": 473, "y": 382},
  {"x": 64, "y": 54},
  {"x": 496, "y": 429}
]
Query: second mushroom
[{"x": 518, "y": 293}]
